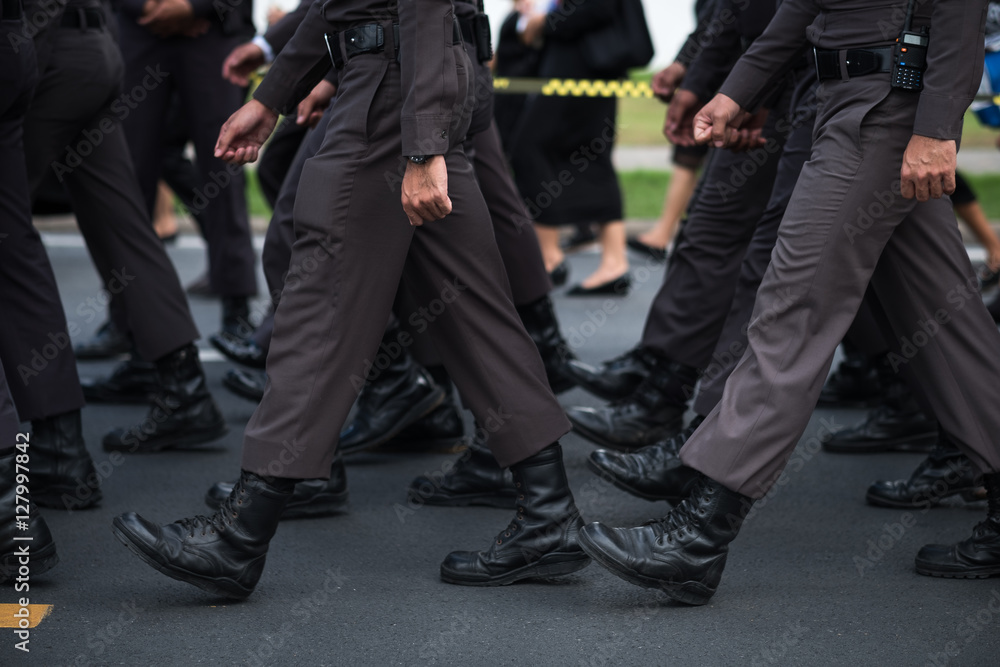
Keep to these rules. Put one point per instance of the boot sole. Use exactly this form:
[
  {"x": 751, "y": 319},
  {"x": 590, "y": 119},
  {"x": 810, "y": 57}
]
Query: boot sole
[
  {"x": 920, "y": 444},
  {"x": 549, "y": 565},
  {"x": 321, "y": 505},
  {"x": 930, "y": 570},
  {"x": 688, "y": 592},
  {"x": 188, "y": 440},
  {"x": 480, "y": 499},
  {"x": 618, "y": 484},
  {"x": 217, "y": 586},
  {"x": 449, "y": 445},
  {"x": 421, "y": 409},
  {"x": 968, "y": 495},
  {"x": 41, "y": 561},
  {"x": 668, "y": 430}
]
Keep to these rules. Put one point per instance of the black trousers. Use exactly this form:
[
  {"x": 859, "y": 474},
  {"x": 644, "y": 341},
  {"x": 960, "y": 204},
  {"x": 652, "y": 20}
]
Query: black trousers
[
  {"x": 75, "y": 130},
  {"x": 35, "y": 347},
  {"x": 154, "y": 69}
]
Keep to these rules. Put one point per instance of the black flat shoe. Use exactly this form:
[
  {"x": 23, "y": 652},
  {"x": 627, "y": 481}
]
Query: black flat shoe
[
  {"x": 559, "y": 275},
  {"x": 657, "y": 254},
  {"x": 617, "y": 287}
]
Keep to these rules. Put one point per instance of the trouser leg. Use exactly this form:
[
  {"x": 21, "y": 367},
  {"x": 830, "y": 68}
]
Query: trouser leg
[
  {"x": 689, "y": 311},
  {"x": 732, "y": 342},
  {"x": 318, "y": 355},
  {"x": 208, "y": 101},
  {"x": 514, "y": 232},
  {"x": 34, "y": 339},
  {"x": 826, "y": 252}
]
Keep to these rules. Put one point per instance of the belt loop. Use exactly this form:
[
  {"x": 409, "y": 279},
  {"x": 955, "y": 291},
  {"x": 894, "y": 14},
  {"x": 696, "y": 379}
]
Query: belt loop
[
  {"x": 842, "y": 61},
  {"x": 390, "y": 37}
]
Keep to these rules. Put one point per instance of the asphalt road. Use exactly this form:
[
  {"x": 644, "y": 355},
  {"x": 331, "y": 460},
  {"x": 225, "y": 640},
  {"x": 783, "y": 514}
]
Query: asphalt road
[{"x": 815, "y": 578}]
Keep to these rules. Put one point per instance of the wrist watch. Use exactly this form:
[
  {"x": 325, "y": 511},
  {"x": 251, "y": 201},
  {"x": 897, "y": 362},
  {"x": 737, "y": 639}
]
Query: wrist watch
[{"x": 419, "y": 159}]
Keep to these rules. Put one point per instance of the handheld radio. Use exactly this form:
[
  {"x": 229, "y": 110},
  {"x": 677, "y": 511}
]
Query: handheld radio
[{"x": 909, "y": 56}]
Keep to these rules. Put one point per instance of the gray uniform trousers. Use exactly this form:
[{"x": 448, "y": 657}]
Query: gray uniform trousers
[
  {"x": 516, "y": 239},
  {"x": 688, "y": 312},
  {"x": 847, "y": 224},
  {"x": 732, "y": 341},
  {"x": 34, "y": 341},
  {"x": 73, "y": 128},
  {"x": 325, "y": 330}
]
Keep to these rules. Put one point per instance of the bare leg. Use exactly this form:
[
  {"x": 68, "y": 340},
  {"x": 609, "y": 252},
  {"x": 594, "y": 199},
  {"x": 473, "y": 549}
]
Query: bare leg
[
  {"x": 675, "y": 202},
  {"x": 548, "y": 240},
  {"x": 614, "y": 262}
]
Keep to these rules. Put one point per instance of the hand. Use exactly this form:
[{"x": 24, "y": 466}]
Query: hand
[
  {"x": 679, "y": 127},
  {"x": 665, "y": 81},
  {"x": 993, "y": 259},
  {"x": 245, "y": 132},
  {"x": 749, "y": 134},
  {"x": 532, "y": 34},
  {"x": 312, "y": 107},
  {"x": 197, "y": 28},
  {"x": 244, "y": 60},
  {"x": 165, "y": 18},
  {"x": 718, "y": 121},
  {"x": 275, "y": 14},
  {"x": 928, "y": 168},
  {"x": 425, "y": 191}
]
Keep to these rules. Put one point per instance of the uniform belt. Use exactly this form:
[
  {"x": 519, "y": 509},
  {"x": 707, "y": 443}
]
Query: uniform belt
[
  {"x": 79, "y": 17},
  {"x": 846, "y": 63},
  {"x": 10, "y": 10},
  {"x": 368, "y": 38}
]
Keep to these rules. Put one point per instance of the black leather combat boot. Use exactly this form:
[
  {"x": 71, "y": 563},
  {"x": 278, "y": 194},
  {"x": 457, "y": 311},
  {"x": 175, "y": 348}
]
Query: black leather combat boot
[
  {"x": 684, "y": 553},
  {"x": 474, "y": 479},
  {"x": 441, "y": 430},
  {"x": 248, "y": 384},
  {"x": 62, "y": 473},
  {"x": 653, "y": 412},
  {"x": 540, "y": 322},
  {"x": 946, "y": 472},
  {"x": 541, "y": 540},
  {"x": 236, "y": 316},
  {"x": 391, "y": 400},
  {"x": 652, "y": 473},
  {"x": 222, "y": 554},
  {"x": 183, "y": 413},
  {"x": 131, "y": 381},
  {"x": 855, "y": 383},
  {"x": 21, "y": 519},
  {"x": 244, "y": 351},
  {"x": 977, "y": 557},
  {"x": 616, "y": 378},
  {"x": 897, "y": 425},
  {"x": 310, "y": 498},
  {"x": 107, "y": 342}
]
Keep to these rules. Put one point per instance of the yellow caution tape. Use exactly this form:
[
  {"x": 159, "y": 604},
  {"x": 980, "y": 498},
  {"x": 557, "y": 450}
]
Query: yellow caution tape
[{"x": 572, "y": 87}]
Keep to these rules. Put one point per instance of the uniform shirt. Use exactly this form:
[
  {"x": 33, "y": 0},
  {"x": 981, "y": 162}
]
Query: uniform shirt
[
  {"x": 430, "y": 89},
  {"x": 954, "y": 56}
]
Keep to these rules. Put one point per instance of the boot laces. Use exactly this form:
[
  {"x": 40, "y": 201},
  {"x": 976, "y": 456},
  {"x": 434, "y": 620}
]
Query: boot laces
[
  {"x": 223, "y": 517},
  {"x": 515, "y": 523}
]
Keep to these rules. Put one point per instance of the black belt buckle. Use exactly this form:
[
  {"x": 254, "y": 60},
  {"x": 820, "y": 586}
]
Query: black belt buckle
[{"x": 364, "y": 39}]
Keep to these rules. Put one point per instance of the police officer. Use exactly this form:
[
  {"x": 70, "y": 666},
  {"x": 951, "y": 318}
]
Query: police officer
[
  {"x": 883, "y": 157},
  {"x": 401, "y": 114}
]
